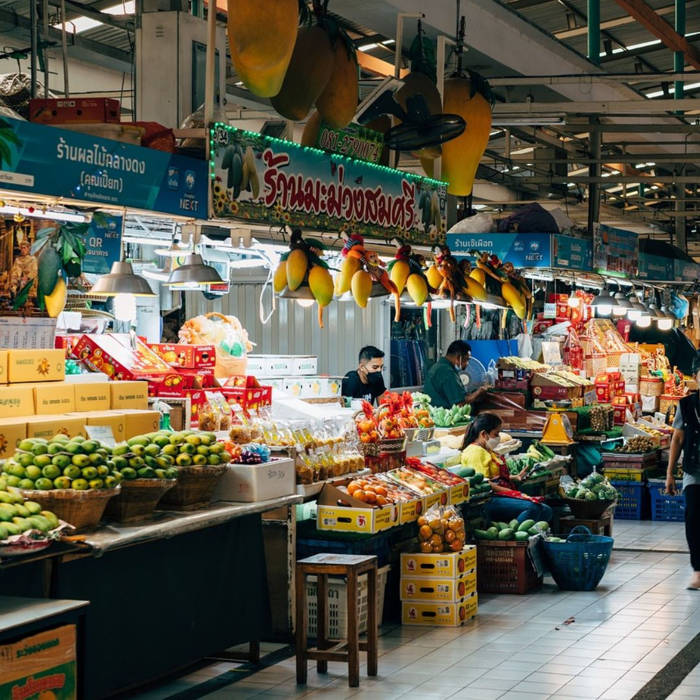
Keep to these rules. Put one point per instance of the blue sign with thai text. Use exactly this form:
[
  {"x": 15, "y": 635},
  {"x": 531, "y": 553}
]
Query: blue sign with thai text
[
  {"x": 103, "y": 245},
  {"x": 520, "y": 249},
  {"x": 58, "y": 162},
  {"x": 654, "y": 267},
  {"x": 572, "y": 253}
]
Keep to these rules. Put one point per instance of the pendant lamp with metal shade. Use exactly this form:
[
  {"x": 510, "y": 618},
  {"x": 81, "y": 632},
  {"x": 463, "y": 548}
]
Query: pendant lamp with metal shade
[
  {"x": 122, "y": 280},
  {"x": 193, "y": 271},
  {"x": 604, "y": 302},
  {"x": 622, "y": 304}
]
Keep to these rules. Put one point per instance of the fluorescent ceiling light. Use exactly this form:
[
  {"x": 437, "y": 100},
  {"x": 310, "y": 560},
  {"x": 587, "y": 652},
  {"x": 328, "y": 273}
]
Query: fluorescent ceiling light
[
  {"x": 47, "y": 214},
  {"x": 367, "y": 47},
  {"x": 528, "y": 121},
  {"x": 388, "y": 42},
  {"x": 522, "y": 150},
  {"x": 659, "y": 93},
  {"x": 83, "y": 24}
]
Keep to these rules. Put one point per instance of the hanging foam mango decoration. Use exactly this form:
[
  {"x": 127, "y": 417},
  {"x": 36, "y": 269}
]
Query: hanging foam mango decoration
[
  {"x": 468, "y": 96},
  {"x": 338, "y": 101},
  {"x": 261, "y": 35}
]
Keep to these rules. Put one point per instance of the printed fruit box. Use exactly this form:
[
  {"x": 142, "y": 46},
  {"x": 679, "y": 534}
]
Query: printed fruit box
[
  {"x": 340, "y": 511},
  {"x": 443, "y": 565},
  {"x": 248, "y": 398},
  {"x": 422, "y": 485},
  {"x": 447, "y": 590},
  {"x": 186, "y": 356},
  {"x": 457, "y": 488},
  {"x": 41, "y": 666},
  {"x": 439, "y": 614},
  {"x": 119, "y": 360}
]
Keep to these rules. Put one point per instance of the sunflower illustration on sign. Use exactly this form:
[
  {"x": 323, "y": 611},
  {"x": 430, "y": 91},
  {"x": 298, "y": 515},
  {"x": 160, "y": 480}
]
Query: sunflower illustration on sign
[{"x": 43, "y": 367}]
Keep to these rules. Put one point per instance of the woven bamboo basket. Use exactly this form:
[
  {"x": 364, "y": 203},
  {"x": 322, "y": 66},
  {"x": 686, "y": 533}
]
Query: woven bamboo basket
[
  {"x": 587, "y": 510},
  {"x": 195, "y": 487},
  {"x": 138, "y": 499},
  {"x": 81, "y": 509},
  {"x": 651, "y": 386}
]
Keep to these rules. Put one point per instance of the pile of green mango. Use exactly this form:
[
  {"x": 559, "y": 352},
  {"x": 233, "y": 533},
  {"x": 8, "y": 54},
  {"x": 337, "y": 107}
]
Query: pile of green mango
[
  {"x": 18, "y": 516},
  {"x": 512, "y": 531},
  {"x": 158, "y": 455},
  {"x": 61, "y": 463}
]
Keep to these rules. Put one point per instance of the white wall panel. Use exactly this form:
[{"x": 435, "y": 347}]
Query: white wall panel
[{"x": 293, "y": 330}]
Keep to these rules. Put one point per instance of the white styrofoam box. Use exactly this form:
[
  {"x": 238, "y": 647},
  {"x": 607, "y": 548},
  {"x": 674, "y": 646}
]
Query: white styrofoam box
[
  {"x": 87, "y": 378},
  {"x": 304, "y": 364},
  {"x": 257, "y": 365},
  {"x": 250, "y": 483},
  {"x": 650, "y": 404},
  {"x": 338, "y": 603},
  {"x": 279, "y": 365}
]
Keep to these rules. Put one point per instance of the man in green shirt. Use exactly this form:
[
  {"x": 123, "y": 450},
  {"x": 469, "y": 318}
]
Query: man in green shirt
[{"x": 443, "y": 383}]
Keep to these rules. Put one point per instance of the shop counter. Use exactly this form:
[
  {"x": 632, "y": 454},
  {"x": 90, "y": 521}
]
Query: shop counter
[{"x": 167, "y": 593}]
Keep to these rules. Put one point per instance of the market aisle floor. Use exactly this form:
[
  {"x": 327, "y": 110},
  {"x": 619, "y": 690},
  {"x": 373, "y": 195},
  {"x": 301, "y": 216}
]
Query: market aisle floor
[{"x": 518, "y": 647}]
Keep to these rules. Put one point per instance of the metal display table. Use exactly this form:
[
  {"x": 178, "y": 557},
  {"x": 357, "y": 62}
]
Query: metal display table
[{"x": 165, "y": 593}]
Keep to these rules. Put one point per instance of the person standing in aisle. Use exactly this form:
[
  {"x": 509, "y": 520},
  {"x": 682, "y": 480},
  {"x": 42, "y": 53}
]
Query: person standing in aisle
[
  {"x": 686, "y": 437},
  {"x": 366, "y": 382},
  {"x": 443, "y": 383}
]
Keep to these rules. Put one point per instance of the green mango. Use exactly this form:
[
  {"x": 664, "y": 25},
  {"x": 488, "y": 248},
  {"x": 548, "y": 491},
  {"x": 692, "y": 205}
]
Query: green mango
[
  {"x": 505, "y": 534},
  {"x": 521, "y": 536},
  {"x": 526, "y": 525}
]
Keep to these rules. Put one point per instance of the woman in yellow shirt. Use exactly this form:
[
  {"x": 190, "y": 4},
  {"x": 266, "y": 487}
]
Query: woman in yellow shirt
[{"x": 507, "y": 503}]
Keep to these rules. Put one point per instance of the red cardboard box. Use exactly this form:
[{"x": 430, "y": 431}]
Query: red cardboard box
[
  {"x": 190, "y": 379},
  {"x": 558, "y": 298},
  {"x": 542, "y": 325},
  {"x": 186, "y": 356},
  {"x": 114, "y": 355},
  {"x": 81, "y": 110},
  {"x": 563, "y": 310},
  {"x": 248, "y": 398}
]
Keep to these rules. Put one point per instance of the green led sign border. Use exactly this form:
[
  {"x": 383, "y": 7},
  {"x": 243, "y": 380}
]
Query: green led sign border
[{"x": 318, "y": 151}]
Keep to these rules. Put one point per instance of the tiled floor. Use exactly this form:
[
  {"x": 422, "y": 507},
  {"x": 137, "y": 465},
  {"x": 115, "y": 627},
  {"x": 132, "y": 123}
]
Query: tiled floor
[
  {"x": 648, "y": 535},
  {"x": 518, "y": 647}
]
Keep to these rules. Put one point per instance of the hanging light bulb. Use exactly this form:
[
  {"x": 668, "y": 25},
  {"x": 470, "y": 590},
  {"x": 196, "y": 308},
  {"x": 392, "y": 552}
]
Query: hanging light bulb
[
  {"x": 637, "y": 309},
  {"x": 622, "y": 305},
  {"x": 644, "y": 321},
  {"x": 305, "y": 303},
  {"x": 603, "y": 303}
]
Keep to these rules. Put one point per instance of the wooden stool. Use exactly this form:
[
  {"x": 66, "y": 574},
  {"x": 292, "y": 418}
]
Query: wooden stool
[
  {"x": 600, "y": 526},
  {"x": 350, "y": 566}
]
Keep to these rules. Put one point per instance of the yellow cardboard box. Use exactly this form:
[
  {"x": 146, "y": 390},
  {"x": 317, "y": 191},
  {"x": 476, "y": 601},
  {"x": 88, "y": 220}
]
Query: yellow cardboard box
[
  {"x": 459, "y": 494},
  {"x": 446, "y": 590},
  {"x": 129, "y": 395},
  {"x": 12, "y": 430},
  {"x": 140, "y": 422},
  {"x": 16, "y": 400},
  {"x": 3, "y": 366},
  {"x": 439, "y": 614},
  {"x": 48, "y": 426},
  {"x": 409, "y": 511},
  {"x": 357, "y": 516},
  {"x": 92, "y": 397},
  {"x": 444, "y": 565},
  {"x": 52, "y": 398},
  {"x": 42, "y": 665},
  {"x": 113, "y": 419},
  {"x": 36, "y": 365}
]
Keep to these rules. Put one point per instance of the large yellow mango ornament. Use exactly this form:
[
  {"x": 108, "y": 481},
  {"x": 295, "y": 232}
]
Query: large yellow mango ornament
[
  {"x": 261, "y": 35},
  {"x": 467, "y": 96}
]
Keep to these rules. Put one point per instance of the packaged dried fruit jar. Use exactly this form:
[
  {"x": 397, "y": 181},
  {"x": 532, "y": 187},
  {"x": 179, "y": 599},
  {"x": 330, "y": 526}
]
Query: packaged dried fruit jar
[{"x": 441, "y": 529}]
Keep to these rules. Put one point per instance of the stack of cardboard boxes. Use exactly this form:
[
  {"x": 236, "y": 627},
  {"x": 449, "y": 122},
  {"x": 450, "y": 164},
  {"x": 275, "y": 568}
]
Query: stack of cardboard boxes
[
  {"x": 36, "y": 401},
  {"x": 439, "y": 589}
]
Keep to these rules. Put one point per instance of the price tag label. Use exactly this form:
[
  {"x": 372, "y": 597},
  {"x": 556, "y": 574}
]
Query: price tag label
[{"x": 102, "y": 433}]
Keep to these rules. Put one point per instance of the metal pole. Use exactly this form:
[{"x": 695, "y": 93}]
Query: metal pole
[
  {"x": 45, "y": 38},
  {"x": 209, "y": 87},
  {"x": 64, "y": 49},
  {"x": 594, "y": 172},
  {"x": 34, "y": 45},
  {"x": 594, "y": 31},
  {"x": 679, "y": 56}
]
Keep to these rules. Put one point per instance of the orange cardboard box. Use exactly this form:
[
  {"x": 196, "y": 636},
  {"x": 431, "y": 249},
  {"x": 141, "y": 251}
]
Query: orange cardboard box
[
  {"x": 139, "y": 422},
  {"x": 113, "y": 419},
  {"x": 48, "y": 426},
  {"x": 3, "y": 366},
  {"x": 12, "y": 430}
]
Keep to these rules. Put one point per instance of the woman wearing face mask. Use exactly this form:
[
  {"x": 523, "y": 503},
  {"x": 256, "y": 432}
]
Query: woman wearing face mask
[
  {"x": 507, "y": 503},
  {"x": 686, "y": 437}
]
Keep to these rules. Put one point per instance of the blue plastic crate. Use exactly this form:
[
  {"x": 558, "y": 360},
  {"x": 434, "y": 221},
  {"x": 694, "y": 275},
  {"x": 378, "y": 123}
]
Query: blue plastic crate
[
  {"x": 665, "y": 507},
  {"x": 633, "y": 501},
  {"x": 378, "y": 545}
]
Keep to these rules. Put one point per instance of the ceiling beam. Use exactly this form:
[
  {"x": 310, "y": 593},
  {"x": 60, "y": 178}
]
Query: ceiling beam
[
  {"x": 641, "y": 106},
  {"x": 661, "y": 29},
  {"x": 376, "y": 66},
  {"x": 679, "y": 128},
  {"x": 693, "y": 157},
  {"x": 612, "y": 180},
  {"x": 75, "y": 10},
  {"x": 618, "y": 21},
  {"x": 590, "y": 78},
  {"x": 79, "y": 47}
]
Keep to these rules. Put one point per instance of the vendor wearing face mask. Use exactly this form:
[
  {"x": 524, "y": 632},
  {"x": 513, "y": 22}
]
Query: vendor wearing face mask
[
  {"x": 366, "y": 382},
  {"x": 507, "y": 503},
  {"x": 443, "y": 383}
]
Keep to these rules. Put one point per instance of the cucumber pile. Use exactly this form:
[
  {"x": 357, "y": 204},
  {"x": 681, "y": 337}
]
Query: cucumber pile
[
  {"x": 512, "y": 531},
  {"x": 478, "y": 486}
]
